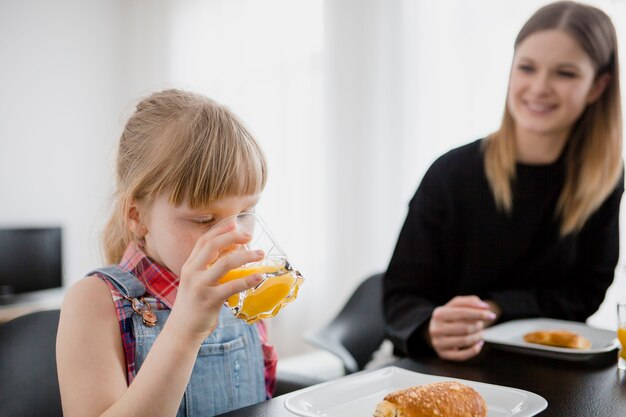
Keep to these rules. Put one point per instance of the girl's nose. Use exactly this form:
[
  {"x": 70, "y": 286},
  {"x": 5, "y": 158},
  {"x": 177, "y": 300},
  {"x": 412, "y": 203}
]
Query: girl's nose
[
  {"x": 231, "y": 221},
  {"x": 246, "y": 223}
]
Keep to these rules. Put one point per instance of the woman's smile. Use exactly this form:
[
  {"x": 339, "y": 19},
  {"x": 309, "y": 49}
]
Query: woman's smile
[{"x": 538, "y": 108}]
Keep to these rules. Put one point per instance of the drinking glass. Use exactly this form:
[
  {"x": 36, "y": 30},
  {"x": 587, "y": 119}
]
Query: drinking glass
[
  {"x": 621, "y": 334},
  {"x": 281, "y": 281}
]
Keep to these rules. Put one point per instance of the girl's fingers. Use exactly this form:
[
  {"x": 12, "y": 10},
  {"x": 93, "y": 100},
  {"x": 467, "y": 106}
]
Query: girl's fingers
[
  {"x": 231, "y": 261},
  {"x": 207, "y": 250},
  {"x": 229, "y": 288},
  {"x": 210, "y": 235}
]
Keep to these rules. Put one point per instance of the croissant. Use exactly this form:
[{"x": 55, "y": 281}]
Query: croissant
[
  {"x": 560, "y": 338},
  {"x": 450, "y": 399}
]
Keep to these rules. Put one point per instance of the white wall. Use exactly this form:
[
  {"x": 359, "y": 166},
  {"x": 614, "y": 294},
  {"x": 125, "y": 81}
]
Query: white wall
[
  {"x": 62, "y": 89},
  {"x": 70, "y": 74}
]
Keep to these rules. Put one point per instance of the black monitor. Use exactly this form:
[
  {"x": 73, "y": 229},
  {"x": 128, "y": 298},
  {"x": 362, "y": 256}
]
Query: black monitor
[{"x": 30, "y": 260}]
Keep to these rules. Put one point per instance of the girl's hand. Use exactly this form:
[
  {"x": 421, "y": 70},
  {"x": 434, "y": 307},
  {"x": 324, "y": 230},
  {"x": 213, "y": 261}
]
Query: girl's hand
[
  {"x": 200, "y": 296},
  {"x": 455, "y": 329}
]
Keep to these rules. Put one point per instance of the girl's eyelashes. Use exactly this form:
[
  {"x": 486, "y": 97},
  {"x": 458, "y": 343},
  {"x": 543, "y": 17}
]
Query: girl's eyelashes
[
  {"x": 211, "y": 220},
  {"x": 205, "y": 221}
]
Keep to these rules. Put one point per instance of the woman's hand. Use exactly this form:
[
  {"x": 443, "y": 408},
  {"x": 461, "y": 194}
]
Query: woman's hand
[
  {"x": 200, "y": 296},
  {"x": 456, "y": 328}
]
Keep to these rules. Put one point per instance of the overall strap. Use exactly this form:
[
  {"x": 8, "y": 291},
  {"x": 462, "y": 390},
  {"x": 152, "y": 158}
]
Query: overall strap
[
  {"x": 130, "y": 288},
  {"x": 125, "y": 282}
]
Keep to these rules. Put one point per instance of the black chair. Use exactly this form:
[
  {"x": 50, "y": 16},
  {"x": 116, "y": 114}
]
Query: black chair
[
  {"x": 28, "y": 372},
  {"x": 358, "y": 330},
  {"x": 287, "y": 382}
]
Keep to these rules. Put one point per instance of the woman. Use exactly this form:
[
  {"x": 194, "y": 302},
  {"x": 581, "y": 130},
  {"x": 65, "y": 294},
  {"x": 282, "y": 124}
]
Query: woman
[{"x": 523, "y": 223}]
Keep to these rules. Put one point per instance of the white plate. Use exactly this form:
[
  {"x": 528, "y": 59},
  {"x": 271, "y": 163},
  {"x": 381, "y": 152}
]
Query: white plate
[
  {"x": 510, "y": 336},
  {"x": 358, "y": 394}
]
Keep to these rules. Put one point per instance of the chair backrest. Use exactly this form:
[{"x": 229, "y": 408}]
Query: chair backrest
[
  {"x": 28, "y": 373},
  {"x": 358, "y": 329}
]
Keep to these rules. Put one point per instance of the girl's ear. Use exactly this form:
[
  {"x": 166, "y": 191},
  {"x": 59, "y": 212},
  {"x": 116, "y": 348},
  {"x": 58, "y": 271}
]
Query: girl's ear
[
  {"x": 598, "y": 87},
  {"x": 135, "y": 222}
]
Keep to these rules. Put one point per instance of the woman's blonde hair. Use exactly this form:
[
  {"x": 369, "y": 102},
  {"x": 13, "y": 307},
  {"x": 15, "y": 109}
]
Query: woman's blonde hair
[
  {"x": 594, "y": 148},
  {"x": 186, "y": 145}
]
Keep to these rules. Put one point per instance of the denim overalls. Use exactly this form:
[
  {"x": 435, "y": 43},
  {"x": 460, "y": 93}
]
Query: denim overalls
[{"x": 228, "y": 372}]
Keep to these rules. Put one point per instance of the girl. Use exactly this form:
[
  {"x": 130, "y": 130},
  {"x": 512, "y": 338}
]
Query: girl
[
  {"x": 149, "y": 335},
  {"x": 523, "y": 223}
]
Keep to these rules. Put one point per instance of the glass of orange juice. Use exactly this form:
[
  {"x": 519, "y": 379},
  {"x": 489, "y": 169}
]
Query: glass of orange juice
[
  {"x": 621, "y": 334},
  {"x": 281, "y": 281}
]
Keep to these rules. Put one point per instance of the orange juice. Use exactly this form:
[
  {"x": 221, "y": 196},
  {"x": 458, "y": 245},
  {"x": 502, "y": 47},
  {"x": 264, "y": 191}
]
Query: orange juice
[
  {"x": 266, "y": 299},
  {"x": 621, "y": 335},
  {"x": 267, "y": 296},
  {"x": 244, "y": 271}
]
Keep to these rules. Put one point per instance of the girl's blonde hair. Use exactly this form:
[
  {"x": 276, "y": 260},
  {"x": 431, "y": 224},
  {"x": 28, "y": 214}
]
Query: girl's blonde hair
[
  {"x": 594, "y": 148},
  {"x": 186, "y": 145}
]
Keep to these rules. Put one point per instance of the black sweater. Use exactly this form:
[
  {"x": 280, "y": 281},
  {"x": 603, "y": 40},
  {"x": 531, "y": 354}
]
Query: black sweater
[{"x": 456, "y": 242}]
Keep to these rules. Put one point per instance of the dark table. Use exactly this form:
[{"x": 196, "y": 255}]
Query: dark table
[{"x": 572, "y": 389}]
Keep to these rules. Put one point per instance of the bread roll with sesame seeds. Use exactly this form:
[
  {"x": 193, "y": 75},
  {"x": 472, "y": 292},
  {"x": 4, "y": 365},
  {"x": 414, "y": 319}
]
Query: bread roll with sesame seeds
[{"x": 439, "y": 399}]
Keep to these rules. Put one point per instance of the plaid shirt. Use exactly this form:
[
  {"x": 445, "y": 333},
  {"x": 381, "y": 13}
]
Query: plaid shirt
[{"x": 161, "y": 289}]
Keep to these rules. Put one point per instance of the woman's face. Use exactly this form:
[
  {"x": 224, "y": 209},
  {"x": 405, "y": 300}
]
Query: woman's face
[
  {"x": 172, "y": 231},
  {"x": 552, "y": 81}
]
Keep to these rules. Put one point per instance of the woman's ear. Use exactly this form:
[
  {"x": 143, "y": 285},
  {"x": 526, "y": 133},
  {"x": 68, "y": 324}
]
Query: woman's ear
[
  {"x": 135, "y": 222},
  {"x": 598, "y": 87}
]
